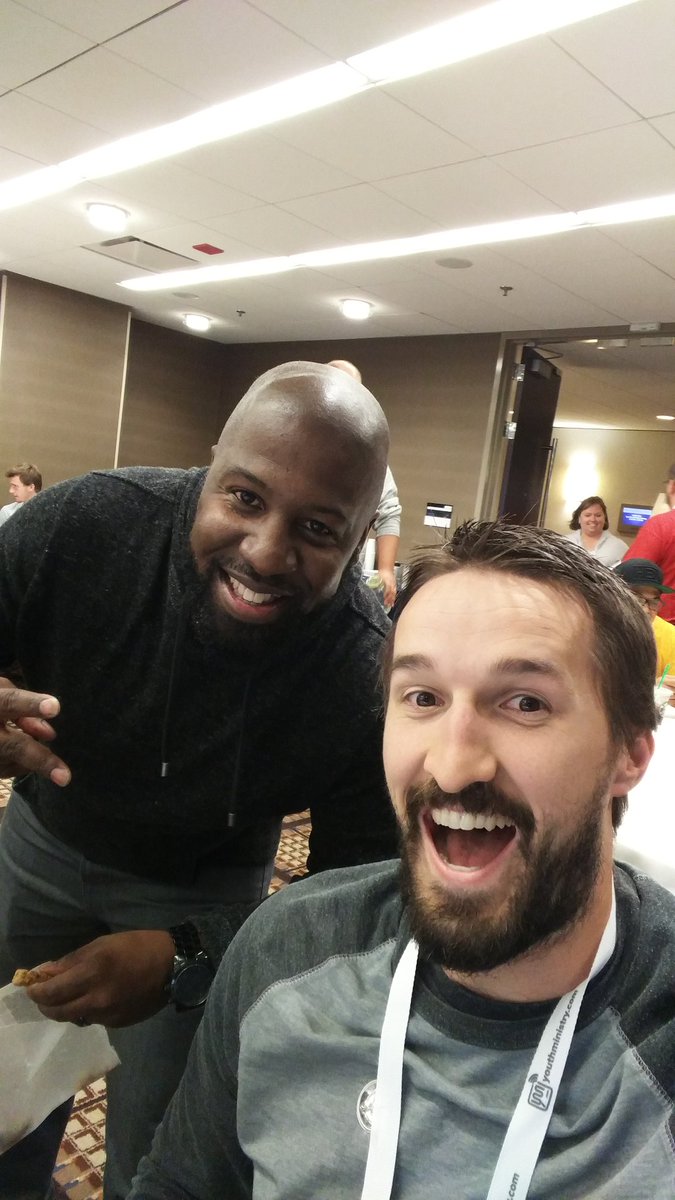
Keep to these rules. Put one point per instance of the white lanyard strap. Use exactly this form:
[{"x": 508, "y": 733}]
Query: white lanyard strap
[
  {"x": 529, "y": 1123},
  {"x": 387, "y": 1107}
]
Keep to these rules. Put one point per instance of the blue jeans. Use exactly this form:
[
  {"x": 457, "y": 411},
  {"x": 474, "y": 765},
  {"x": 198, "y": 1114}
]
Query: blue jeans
[{"x": 53, "y": 900}]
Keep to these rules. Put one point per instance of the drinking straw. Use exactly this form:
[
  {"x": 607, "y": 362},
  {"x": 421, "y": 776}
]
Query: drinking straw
[{"x": 667, "y": 668}]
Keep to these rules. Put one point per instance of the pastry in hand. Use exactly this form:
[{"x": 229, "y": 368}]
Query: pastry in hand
[{"x": 24, "y": 978}]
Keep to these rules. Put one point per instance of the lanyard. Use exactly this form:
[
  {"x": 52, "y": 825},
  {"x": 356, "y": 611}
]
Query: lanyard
[{"x": 527, "y": 1128}]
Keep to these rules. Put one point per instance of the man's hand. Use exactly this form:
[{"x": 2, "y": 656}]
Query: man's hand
[
  {"x": 389, "y": 580},
  {"x": 23, "y": 728},
  {"x": 117, "y": 979}
]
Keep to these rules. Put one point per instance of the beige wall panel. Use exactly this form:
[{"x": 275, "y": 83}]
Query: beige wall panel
[
  {"x": 622, "y": 466},
  {"x": 436, "y": 393},
  {"x": 61, "y": 374},
  {"x": 173, "y": 407}
]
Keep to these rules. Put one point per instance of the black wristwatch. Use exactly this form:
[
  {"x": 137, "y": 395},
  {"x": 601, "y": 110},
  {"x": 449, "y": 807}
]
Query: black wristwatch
[{"x": 192, "y": 973}]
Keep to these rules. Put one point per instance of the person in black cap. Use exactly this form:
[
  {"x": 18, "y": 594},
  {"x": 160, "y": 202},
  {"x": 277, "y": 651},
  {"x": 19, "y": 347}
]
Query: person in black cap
[{"x": 645, "y": 580}]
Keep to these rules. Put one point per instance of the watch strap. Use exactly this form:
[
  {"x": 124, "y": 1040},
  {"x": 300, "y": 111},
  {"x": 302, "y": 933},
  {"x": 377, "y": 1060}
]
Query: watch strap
[{"x": 186, "y": 940}]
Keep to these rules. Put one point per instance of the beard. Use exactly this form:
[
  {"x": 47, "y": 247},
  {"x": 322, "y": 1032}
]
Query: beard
[
  {"x": 552, "y": 889},
  {"x": 214, "y": 626}
]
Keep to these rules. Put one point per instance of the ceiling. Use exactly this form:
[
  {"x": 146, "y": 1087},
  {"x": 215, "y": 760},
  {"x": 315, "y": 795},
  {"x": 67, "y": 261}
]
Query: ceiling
[{"x": 578, "y": 119}]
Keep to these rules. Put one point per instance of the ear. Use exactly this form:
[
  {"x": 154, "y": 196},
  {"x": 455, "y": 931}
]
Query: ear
[{"x": 632, "y": 764}]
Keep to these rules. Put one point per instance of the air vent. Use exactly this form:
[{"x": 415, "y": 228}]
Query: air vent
[{"x": 136, "y": 253}]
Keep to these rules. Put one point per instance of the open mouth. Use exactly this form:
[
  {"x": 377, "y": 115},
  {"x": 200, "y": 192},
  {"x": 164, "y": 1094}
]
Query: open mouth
[
  {"x": 247, "y": 602},
  {"x": 468, "y": 842}
]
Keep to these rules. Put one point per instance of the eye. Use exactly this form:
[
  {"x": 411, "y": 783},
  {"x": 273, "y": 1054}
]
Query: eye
[
  {"x": 318, "y": 529},
  {"x": 248, "y": 499},
  {"x": 524, "y": 703},
  {"x": 421, "y": 699}
]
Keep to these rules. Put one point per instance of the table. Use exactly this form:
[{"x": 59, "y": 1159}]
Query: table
[{"x": 646, "y": 836}]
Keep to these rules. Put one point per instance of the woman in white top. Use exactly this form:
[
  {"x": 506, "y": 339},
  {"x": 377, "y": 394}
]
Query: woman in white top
[{"x": 590, "y": 524}]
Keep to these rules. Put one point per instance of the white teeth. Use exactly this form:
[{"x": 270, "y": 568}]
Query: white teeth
[
  {"x": 246, "y": 594},
  {"x": 451, "y": 818}
]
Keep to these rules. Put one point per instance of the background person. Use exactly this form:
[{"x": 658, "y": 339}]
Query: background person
[
  {"x": 214, "y": 652},
  {"x": 590, "y": 525},
  {"x": 25, "y": 481},
  {"x": 655, "y": 541},
  {"x": 387, "y": 524},
  {"x": 509, "y": 748},
  {"x": 645, "y": 580}
]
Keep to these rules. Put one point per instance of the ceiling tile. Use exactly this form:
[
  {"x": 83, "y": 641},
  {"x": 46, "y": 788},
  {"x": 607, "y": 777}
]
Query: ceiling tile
[
  {"x": 130, "y": 100},
  {"x": 273, "y": 230},
  {"x": 362, "y": 23},
  {"x": 627, "y": 163},
  {"x": 186, "y": 194},
  {"x": 42, "y": 133},
  {"x": 359, "y": 214},
  {"x": 594, "y": 267},
  {"x": 357, "y": 137},
  {"x": 32, "y": 44},
  {"x": 467, "y": 193},
  {"x": 264, "y": 167},
  {"x": 631, "y": 51},
  {"x": 97, "y": 21},
  {"x": 521, "y": 96},
  {"x": 198, "y": 46}
]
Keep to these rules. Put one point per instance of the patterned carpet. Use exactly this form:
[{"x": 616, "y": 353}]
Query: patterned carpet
[{"x": 81, "y": 1159}]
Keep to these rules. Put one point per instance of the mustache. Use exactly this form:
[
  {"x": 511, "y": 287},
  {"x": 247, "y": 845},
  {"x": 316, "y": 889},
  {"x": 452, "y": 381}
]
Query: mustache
[
  {"x": 239, "y": 567},
  {"x": 475, "y": 798}
]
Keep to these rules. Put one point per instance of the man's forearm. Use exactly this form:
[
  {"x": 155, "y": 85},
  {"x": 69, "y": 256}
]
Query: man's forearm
[{"x": 386, "y": 551}]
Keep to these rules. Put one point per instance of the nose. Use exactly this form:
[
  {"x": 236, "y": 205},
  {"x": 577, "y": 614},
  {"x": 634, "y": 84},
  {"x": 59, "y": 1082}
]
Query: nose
[
  {"x": 460, "y": 752},
  {"x": 269, "y": 548}
]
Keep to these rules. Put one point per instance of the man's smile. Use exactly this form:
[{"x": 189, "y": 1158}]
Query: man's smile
[
  {"x": 472, "y": 845},
  {"x": 248, "y": 599}
]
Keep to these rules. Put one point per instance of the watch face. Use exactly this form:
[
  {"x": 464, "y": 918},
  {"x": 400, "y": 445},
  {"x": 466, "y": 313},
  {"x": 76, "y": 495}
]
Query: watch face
[{"x": 190, "y": 986}]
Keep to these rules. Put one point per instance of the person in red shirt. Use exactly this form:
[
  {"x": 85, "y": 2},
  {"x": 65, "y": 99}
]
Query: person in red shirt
[{"x": 656, "y": 541}]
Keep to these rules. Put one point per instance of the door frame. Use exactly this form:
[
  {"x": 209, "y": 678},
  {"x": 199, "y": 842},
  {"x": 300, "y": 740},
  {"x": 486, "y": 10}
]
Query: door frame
[{"x": 508, "y": 357}]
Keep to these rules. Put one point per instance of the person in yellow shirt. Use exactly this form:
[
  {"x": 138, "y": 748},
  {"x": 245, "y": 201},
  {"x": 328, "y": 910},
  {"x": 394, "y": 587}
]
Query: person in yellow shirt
[{"x": 645, "y": 580}]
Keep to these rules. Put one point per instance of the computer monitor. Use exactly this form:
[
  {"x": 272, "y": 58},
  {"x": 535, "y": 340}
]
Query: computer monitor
[{"x": 633, "y": 516}]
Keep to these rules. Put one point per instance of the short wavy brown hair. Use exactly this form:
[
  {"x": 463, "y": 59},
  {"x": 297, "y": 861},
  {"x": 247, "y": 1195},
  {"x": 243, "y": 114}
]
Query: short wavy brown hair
[
  {"x": 588, "y": 503},
  {"x": 28, "y": 474}
]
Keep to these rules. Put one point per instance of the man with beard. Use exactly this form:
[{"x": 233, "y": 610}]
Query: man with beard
[
  {"x": 503, "y": 1025},
  {"x": 215, "y": 654}
]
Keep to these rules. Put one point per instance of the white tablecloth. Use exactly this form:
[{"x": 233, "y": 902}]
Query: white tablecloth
[{"x": 646, "y": 836}]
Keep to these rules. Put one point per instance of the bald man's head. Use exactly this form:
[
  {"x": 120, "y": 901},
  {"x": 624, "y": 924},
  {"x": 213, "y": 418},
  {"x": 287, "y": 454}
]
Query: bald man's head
[
  {"x": 315, "y": 395},
  {"x": 294, "y": 485}
]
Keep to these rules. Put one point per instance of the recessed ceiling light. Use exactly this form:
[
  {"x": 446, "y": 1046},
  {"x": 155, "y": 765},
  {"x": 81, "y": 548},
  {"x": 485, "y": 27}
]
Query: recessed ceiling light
[
  {"x": 107, "y": 217},
  {"x": 356, "y": 310},
  {"x": 197, "y": 322},
  {"x": 664, "y": 417}
]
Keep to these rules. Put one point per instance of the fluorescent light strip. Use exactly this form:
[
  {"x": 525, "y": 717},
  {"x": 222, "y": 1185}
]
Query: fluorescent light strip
[
  {"x": 502, "y": 23},
  {"x": 474, "y": 33},
  {"x": 448, "y": 239}
]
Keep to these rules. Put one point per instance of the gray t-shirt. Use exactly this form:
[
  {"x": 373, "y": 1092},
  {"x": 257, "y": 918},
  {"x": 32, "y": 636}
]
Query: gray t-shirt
[{"x": 274, "y": 1103}]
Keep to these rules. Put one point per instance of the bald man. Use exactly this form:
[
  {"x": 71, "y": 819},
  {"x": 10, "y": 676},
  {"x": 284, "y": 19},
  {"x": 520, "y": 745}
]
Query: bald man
[
  {"x": 200, "y": 657},
  {"x": 387, "y": 523}
]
